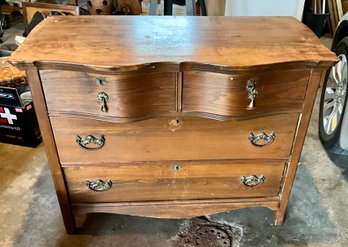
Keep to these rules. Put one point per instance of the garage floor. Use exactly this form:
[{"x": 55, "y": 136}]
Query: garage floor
[{"x": 29, "y": 215}]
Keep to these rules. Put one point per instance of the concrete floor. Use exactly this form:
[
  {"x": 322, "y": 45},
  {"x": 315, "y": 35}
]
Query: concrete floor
[{"x": 29, "y": 215}]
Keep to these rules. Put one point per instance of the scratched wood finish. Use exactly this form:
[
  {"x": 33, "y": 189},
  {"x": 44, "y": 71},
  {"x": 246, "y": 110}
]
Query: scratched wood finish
[
  {"x": 289, "y": 176},
  {"x": 151, "y": 93},
  {"x": 134, "y": 40},
  {"x": 51, "y": 150},
  {"x": 130, "y": 95},
  {"x": 157, "y": 139},
  {"x": 173, "y": 103},
  {"x": 175, "y": 209},
  {"x": 163, "y": 182},
  {"x": 226, "y": 94}
]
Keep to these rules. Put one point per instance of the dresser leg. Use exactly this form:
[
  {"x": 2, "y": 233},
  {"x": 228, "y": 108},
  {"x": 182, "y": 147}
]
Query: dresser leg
[
  {"x": 69, "y": 220},
  {"x": 279, "y": 217},
  {"x": 70, "y": 226}
]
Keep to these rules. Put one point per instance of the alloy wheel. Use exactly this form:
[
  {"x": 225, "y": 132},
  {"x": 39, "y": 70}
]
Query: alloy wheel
[{"x": 335, "y": 95}]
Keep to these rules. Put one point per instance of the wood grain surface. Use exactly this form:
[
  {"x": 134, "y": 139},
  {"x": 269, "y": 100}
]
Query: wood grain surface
[
  {"x": 158, "y": 139},
  {"x": 149, "y": 182},
  {"x": 130, "y": 95},
  {"x": 175, "y": 209},
  {"x": 51, "y": 150},
  {"x": 153, "y": 93},
  {"x": 301, "y": 131},
  {"x": 177, "y": 129},
  {"x": 114, "y": 41},
  {"x": 226, "y": 94}
]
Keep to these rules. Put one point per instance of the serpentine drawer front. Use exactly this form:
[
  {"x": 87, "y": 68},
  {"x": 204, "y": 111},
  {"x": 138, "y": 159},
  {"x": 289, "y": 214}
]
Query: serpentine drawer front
[
  {"x": 96, "y": 95},
  {"x": 225, "y": 94},
  {"x": 172, "y": 117}
]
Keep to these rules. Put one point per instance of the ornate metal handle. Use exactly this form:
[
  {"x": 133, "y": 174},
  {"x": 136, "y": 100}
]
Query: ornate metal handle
[
  {"x": 101, "y": 81},
  {"x": 252, "y": 93},
  {"x": 99, "y": 142},
  {"x": 268, "y": 139},
  {"x": 252, "y": 181},
  {"x": 103, "y": 99},
  {"x": 99, "y": 185}
]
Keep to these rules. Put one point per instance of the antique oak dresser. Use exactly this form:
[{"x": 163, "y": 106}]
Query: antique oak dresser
[{"x": 172, "y": 117}]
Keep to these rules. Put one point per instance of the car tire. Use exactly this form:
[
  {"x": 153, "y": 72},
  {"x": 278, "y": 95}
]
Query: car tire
[{"x": 334, "y": 99}]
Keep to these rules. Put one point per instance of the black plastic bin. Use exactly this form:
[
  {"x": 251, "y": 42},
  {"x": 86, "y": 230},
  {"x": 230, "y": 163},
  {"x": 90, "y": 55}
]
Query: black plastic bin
[{"x": 316, "y": 22}]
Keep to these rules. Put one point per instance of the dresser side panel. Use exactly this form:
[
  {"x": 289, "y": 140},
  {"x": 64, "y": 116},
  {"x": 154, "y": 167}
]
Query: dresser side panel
[
  {"x": 51, "y": 151},
  {"x": 300, "y": 136}
]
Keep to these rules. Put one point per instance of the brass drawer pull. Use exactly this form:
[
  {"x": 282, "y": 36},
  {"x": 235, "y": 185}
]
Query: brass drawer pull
[
  {"x": 252, "y": 181},
  {"x": 103, "y": 99},
  {"x": 268, "y": 139},
  {"x": 101, "y": 81},
  {"x": 252, "y": 93},
  {"x": 99, "y": 142},
  {"x": 99, "y": 185}
]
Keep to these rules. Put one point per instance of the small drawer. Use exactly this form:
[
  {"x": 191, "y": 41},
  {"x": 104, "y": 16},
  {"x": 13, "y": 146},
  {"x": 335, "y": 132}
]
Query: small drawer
[
  {"x": 86, "y": 141},
  {"x": 244, "y": 94},
  {"x": 136, "y": 94},
  {"x": 173, "y": 181}
]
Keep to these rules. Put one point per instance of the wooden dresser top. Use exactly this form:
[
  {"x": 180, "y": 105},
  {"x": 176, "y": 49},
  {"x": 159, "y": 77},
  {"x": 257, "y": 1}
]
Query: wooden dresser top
[{"x": 116, "y": 41}]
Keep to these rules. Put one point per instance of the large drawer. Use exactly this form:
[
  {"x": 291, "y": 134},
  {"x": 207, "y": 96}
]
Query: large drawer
[
  {"x": 173, "y": 181},
  {"x": 136, "y": 94},
  {"x": 186, "y": 138},
  {"x": 228, "y": 94}
]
